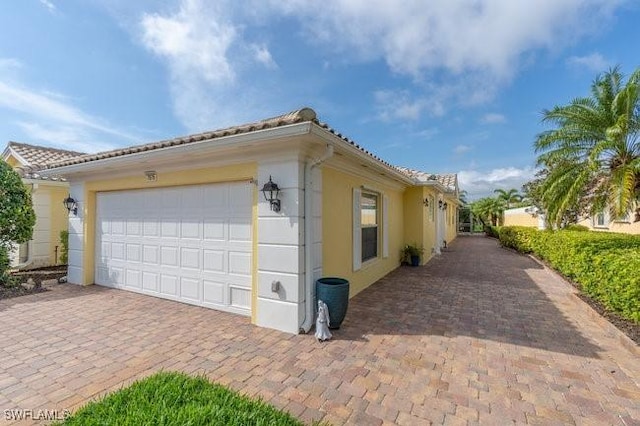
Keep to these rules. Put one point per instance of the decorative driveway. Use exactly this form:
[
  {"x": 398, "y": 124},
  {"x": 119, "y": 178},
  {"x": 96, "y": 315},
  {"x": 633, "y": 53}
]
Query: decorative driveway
[{"x": 479, "y": 335}]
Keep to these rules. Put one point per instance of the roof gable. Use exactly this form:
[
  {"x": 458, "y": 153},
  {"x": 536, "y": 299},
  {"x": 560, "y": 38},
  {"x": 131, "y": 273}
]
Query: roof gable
[{"x": 37, "y": 156}]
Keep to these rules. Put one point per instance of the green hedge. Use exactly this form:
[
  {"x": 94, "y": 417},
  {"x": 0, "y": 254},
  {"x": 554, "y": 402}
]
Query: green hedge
[
  {"x": 605, "y": 265},
  {"x": 492, "y": 231}
]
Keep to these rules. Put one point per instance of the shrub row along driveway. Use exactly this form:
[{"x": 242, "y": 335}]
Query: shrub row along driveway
[{"x": 480, "y": 334}]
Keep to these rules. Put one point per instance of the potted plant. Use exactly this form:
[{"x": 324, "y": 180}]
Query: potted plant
[{"x": 411, "y": 254}]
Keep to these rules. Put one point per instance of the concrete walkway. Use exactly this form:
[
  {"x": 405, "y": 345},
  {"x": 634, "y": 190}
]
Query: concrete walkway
[{"x": 479, "y": 335}]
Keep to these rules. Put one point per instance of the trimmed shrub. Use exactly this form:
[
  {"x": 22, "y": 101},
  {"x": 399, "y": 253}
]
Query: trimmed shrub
[
  {"x": 520, "y": 238},
  {"x": 64, "y": 250},
  {"x": 605, "y": 265},
  {"x": 575, "y": 227},
  {"x": 492, "y": 231}
]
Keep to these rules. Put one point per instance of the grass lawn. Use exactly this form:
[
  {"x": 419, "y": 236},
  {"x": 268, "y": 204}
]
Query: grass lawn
[{"x": 178, "y": 399}]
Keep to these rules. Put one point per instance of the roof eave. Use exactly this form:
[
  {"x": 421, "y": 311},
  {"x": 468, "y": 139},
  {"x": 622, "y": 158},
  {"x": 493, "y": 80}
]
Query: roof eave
[
  {"x": 230, "y": 141},
  {"x": 358, "y": 153}
]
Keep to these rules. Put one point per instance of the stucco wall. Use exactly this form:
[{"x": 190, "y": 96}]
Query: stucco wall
[
  {"x": 520, "y": 219},
  {"x": 337, "y": 229}
]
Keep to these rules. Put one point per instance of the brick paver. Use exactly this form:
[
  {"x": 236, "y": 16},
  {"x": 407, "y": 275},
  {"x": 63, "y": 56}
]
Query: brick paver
[{"x": 479, "y": 335}]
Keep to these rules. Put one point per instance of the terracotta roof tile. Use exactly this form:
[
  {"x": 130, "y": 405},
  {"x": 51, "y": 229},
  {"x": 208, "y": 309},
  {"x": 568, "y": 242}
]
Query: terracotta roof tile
[
  {"x": 448, "y": 180},
  {"x": 37, "y": 156},
  {"x": 298, "y": 116}
]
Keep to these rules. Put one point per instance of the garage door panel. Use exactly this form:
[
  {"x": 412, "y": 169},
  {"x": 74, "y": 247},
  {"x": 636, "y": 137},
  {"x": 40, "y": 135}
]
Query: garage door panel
[
  {"x": 169, "y": 256},
  {"x": 148, "y": 242},
  {"x": 134, "y": 252},
  {"x": 133, "y": 278},
  {"x": 213, "y": 261},
  {"x": 117, "y": 227},
  {"x": 150, "y": 228},
  {"x": 239, "y": 297},
  {"x": 169, "y": 228},
  {"x": 150, "y": 254},
  {"x": 150, "y": 281},
  {"x": 190, "y": 258},
  {"x": 214, "y": 229},
  {"x": 191, "y": 229},
  {"x": 240, "y": 230},
  {"x": 190, "y": 289},
  {"x": 117, "y": 251},
  {"x": 239, "y": 263},
  {"x": 169, "y": 285},
  {"x": 214, "y": 292}
]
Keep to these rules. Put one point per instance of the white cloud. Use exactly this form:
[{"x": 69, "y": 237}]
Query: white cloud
[
  {"x": 393, "y": 105},
  {"x": 210, "y": 63},
  {"x": 472, "y": 47},
  {"x": 9, "y": 64},
  {"x": 50, "y": 118},
  {"x": 263, "y": 56},
  {"x": 482, "y": 183},
  {"x": 461, "y": 149},
  {"x": 493, "y": 118},
  {"x": 49, "y": 5},
  {"x": 593, "y": 62}
]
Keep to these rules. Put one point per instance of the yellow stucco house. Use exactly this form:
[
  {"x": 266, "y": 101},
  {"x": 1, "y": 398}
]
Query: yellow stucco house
[
  {"x": 187, "y": 218},
  {"x": 47, "y": 194},
  {"x": 604, "y": 223}
]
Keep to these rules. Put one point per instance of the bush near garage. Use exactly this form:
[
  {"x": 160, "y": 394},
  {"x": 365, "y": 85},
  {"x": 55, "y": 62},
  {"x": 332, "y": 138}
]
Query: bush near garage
[{"x": 605, "y": 265}]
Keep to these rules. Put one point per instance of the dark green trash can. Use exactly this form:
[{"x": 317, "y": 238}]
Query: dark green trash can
[{"x": 335, "y": 293}]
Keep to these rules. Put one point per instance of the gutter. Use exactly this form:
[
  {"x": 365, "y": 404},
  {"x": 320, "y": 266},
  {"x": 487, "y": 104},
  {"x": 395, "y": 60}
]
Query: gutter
[{"x": 309, "y": 312}]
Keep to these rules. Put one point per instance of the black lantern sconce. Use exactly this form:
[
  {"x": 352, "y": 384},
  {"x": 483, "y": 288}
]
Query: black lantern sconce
[
  {"x": 71, "y": 205},
  {"x": 271, "y": 193},
  {"x": 442, "y": 205},
  {"x": 426, "y": 202}
]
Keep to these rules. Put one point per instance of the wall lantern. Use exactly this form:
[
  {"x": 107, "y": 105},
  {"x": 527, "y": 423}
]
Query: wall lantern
[
  {"x": 442, "y": 205},
  {"x": 271, "y": 193},
  {"x": 71, "y": 205},
  {"x": 426, "y": 202}
]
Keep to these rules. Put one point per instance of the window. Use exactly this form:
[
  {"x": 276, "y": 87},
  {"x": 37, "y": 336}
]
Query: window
[
  {"x": 369, "y": 214},
  {"x": 600, "y": 220},
  {"x": 432, "y": 207},
  {"x": 370, "y": 226}
]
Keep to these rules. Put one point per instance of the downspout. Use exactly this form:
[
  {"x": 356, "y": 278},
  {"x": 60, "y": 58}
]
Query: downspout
[{"x": 308, "y": 238}]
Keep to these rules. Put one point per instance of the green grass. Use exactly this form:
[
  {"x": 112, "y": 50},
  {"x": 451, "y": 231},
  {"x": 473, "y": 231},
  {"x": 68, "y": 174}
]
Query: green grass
[{"x": 177, "y": 399}]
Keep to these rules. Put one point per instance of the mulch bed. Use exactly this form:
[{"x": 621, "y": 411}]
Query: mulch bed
[{"x": 37, "y": 275}]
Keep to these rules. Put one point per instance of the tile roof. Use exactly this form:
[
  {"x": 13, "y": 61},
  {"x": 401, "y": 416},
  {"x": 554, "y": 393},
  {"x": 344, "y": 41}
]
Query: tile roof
[
  {"x": 293, "y": 117},
  {"x": 448, "y": 180},
  {"x": 38, "y": 156}
]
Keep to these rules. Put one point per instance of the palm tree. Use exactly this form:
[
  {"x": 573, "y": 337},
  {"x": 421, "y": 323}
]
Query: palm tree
[
  {"x": 593, "y": 153},
  {"x": 488, "y": 210},
  {"x": 509, "y": 197}
]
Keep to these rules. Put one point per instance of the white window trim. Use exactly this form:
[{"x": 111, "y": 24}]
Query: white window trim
[{"x": 383, "y": 229}]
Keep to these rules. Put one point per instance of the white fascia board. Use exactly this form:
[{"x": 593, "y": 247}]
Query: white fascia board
[
  {"x": 207, "y": 145},
  {"x": 358, "y": 154},
  {"x": 10, "y": 151},
  {"x": 44, "y": 182},
  {"x": 435, "y": 184}
]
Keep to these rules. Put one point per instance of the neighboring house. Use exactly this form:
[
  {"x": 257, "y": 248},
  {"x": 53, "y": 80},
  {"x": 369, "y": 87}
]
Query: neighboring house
[
  {"x": 47, "y": 194},
  {"x": 524, "y": 216},
  {"x": 603, "y": 222},
  {"x": 186, "y": 219}
]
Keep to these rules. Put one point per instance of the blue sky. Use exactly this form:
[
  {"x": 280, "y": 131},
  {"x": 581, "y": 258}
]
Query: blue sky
[{"x": 441, "y": 86}]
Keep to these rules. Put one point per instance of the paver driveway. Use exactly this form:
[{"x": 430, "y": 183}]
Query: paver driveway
[{"x": 480, "y": 334}]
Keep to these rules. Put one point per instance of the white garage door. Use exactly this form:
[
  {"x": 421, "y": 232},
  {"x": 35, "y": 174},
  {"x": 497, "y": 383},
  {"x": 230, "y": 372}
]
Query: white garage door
[{"x": 191, "y": 244}]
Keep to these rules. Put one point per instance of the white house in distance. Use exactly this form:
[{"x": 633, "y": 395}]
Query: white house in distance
[{"x": 47, "y": 194}]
